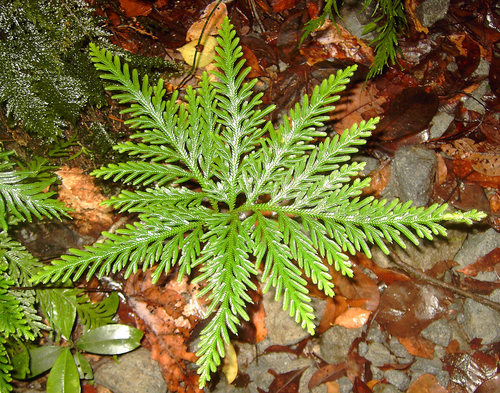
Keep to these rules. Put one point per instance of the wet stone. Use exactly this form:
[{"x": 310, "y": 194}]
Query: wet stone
[
  {"x": 135, "y": 372},
  {"x": 335, "y": 343},
  {"x": 378, "y": 354},
  {"x": 399, "y": 350},
  {"x": 385, "y": 388},
  {"x": 397, "y": 378},
  {"x": 477, "y": 245},
  {"x": 430, "y": 11},
  {"x": 481, "y": 322},
  {"x": 439, "y": 124},
  {"x": 345, "y": 385},
  {"x": 412, "y": 173},
  {"x": 438, "y": 332},
  {"x": 429, "y": 366}
]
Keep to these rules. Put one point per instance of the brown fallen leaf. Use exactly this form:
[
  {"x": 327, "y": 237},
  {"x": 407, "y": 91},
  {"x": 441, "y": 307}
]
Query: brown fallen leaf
[
  {"x": 408, "y": 307},
  {"x": 380, "y": 178},
  {"x": 353, "y": 318},
  {"x": 492, "y": 385},
  {"x": 426, "y": 383},
  {"x": 483, "y": 264},
  {"x": 332, "y": 41},
  {"x": 215, "y": 19},
  {"x": 286, "y": 382},
  {"x": 418, "y": 346},
  {"x": 282, "y": 5},
  {"x": 78, "y": 192},
  {"x": 334, "y": 307},
  {"x": 167, "y": 313},
  {"x": 329, "y": 372},
  {"x": 470, "y": 371},
  {"x": 134, "y": 8}
]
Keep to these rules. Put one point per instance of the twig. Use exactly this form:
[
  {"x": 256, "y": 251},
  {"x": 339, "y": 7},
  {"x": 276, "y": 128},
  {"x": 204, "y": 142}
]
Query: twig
[{"x": 438, "y": 283}]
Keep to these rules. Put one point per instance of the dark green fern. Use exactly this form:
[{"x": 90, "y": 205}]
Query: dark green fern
[
  {"x": 46, "y": 78},
  {"x": 225, "y": 194}
]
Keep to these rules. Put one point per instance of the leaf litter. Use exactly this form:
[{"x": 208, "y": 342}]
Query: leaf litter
[{"x": 408, "y": 100}]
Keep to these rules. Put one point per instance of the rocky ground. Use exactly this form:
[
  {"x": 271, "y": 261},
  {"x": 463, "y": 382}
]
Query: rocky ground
[{"x": 407, "y": 331}]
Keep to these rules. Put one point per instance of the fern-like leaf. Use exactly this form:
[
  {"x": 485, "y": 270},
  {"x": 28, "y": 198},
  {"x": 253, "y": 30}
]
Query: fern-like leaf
[{"x": 254, "y": 196}]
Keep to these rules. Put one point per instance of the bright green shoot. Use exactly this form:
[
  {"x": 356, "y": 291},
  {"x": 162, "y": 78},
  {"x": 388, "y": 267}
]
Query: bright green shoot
[{"x": 225, "y": 195}]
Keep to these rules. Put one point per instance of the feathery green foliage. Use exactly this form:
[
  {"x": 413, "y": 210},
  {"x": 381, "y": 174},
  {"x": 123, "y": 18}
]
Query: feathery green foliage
[
  {"x": 46, "y": 77},
  {"x": 389, "y": 21},
  {"x": 21, "y": 198},
  {"x": 226, "y": 193}
]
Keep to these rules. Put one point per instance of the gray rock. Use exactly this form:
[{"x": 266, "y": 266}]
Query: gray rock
[
  {"x": 335, "y": 343},
  {"x": 476, "y": 102},
  {"x": 399, "y": 350},
  {"x": 477, "y": 245},
  {"x": 385, "y": 388},
  {"x": 430, "y": 11},
  {"x": 375, "y": 333},
  {"x": 440, "y": 123},
  {"x": 438, "y": 332},
  {"x": 345, "y": 385},
  {"x": 376, "y": 372},
  {"x": 398, "y": 379},
  {"x": 378, "y": 354},
  {"x": 354, "y": 17},
  {"x": 482, "y": 70},
  {"x": 427, "y": 253},
  {"x": 481, "y": 322},
  {"x": 281, "y": 328},
  {"x": 412, "y": 171},
  {"x": 135, "y": 372},
  {"x": 428, "y": 366}
]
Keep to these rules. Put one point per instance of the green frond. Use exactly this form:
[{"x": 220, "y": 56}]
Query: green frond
[
  {"x": 228, "y": 277},
  {"x": 21, "y": 193},
  {"x": 255, "y": 197},
  {"x": 12, "y": 321},
  {"x": 145, "y": 173},
  {"x": 5, "y": 367},
  {"x": 154, "y": 198},
  {"x": 281, "y": 273},
  {"x": 142, "y": 244}
]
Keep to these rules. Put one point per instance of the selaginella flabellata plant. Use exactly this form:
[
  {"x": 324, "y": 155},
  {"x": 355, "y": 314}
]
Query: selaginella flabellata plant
[{"x": 226, "y": 194}]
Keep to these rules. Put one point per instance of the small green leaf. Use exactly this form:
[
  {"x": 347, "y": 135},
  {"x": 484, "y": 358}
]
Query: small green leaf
[
  {"x": 63, "y": 377},
  {"x": 43, "y": 358},
  {"x": 19, "y": 358},
  {"x": 59, "y": 306},
  {"x": 83, "y": 366},
  {"x": 110, "y": 340}
]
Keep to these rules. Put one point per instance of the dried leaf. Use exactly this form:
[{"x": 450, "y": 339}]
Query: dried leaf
[
  {"x": 329, "y": 372},
  {"x": 357, "y": 366},
  {"x": 360, "y": 387},
  {"x": 492, "y": 385},
  {"x": 134, "y": 8},
  {"x": 353, "y": 318},
  {"x": 359, "y": 287},
  {"x": 380, "y": 178},
  {"x": 426, "y": 383},
  {"x": 334, "y": 307},
  {"x": 286, "y": 382},
  {"x": 282, "y": 5},
  {"x": 167, "y": 313},
  {"x": 418, "y": 346},
  {"x": 336, "y": 42},
  {"x": 204, "y": 57},
  {"x": 230, "y": 363},
  {"x": 407, "y": 307},
  {"x": 79, "y": 193},
  {"x": 483, "y": 156},
  {"x": 387, "y": 276},
  {"x": 407, "y": 114},
  {"x": 470, "y": 371},
  {"x": 214, "y": 21}
]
